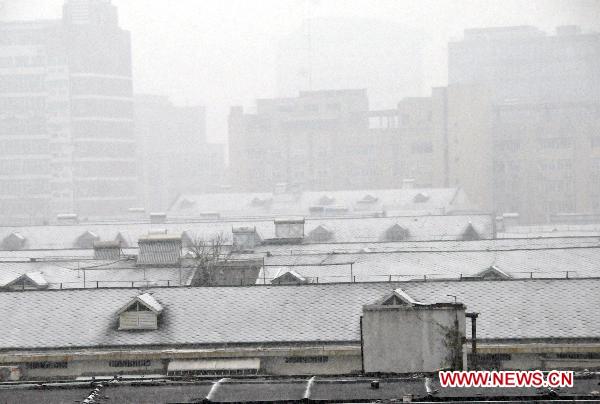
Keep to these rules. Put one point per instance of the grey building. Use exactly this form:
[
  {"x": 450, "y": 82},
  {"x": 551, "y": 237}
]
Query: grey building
[
  {"x": 174, "y": 156},
  {"x": 533, "y": 140},
  {"x": 67, "y": 115}
]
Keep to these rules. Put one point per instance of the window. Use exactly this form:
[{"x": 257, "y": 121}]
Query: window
[
  {"x": 46, "y": 365},
  {"x": 307, "y": 359},
  {"x": 132, "y": 363},
  {"x": 137, "y": 306}
]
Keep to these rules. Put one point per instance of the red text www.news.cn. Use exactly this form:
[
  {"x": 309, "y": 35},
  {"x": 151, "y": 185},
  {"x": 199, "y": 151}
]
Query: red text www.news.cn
[{"x": 507, "y": 378}]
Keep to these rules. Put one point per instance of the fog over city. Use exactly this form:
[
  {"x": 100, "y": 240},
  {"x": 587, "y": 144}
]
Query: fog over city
[
  {"x": 222, "y": 53},
  {"x": 299, "y": 201}
]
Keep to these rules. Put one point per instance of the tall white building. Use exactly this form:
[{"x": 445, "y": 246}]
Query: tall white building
[{"x": 66, "y": 116}]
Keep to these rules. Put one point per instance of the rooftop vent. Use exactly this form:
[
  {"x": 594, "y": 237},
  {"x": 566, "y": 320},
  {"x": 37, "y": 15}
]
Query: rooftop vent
[
  {"x": 86, "y": 240},
  {"x": 140, "y": 313},
  {"x": 67, "y": 218},
  {"x": 159, "y": 250},
  {"x": 14, "y": 241},
  {"x": 136, "y": 211},
  {"x": 245, "y": 238},
  {"x": 408, "y": 183},
  {"x": 510, "y": 219},
  {"x": 107, "y": 250},
  {"x": 209, "y": 215},
  {"x": 159, "y": 217},
  {"x": 289, "y": 228}
]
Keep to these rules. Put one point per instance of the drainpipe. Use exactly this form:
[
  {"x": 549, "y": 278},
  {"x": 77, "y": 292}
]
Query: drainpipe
[
  {"x": 362, "y": 357},
  {"x": 473, "y": 316}
]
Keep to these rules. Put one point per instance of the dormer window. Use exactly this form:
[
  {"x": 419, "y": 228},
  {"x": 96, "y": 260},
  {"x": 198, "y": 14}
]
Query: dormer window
[
  {"x": 86, "y": 240},
  {"x": 289, "y": 278},
  {"x": 368, "y": 199},
  {"x": 28, "y": 281},
  {"x": 122, "y": 240},
  {"x": 320, "y": 234},
  {"x": 141, "y": 313},
  {"x": 421, "y": 197},
  {"x": 470, "y": 234},
  {"x": 186, "y": 204},
  {"x": 14, "y": 241},
  {"x": 326, "y": 200},
  {"x": 398, "y": 298},
  {"x": 493, "y": 273},
  {"x": 396, "y": 233}
]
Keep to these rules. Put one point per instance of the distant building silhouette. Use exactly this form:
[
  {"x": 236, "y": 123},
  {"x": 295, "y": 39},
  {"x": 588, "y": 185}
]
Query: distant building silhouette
[
  {"x": 524, "y": 120},
  {"x": 66, "y": 120}
]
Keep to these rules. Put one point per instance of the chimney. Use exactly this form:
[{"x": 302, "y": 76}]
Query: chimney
[
  {"x": 408, "y": 183},
  {"x": 404, "y": 335},
  {"x": 158, "y": 217},
  {"x": 245, "y": 238},
  {"x": 107, "y": 250},
  {"x": 159, "y": 249}
]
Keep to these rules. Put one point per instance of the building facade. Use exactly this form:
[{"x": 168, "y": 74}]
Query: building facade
[
  {"x": 328, "y": 140},
  {"x": 524, "y": 118},
  {"x": 67, "y": 120},
  {"x": 173, "y": 154}
]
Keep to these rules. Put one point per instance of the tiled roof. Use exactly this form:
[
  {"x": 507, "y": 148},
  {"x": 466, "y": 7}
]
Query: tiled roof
[
  {"x": 440, "y": 227},
  {"x": 393, "y": 201},
  {"x": 534, "y": 261},
  {"x": 98, "y": 273},
  {"x": 540, "y": 309}
]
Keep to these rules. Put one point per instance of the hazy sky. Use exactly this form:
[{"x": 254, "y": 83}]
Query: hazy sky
[{"x": 221, "y": 53}]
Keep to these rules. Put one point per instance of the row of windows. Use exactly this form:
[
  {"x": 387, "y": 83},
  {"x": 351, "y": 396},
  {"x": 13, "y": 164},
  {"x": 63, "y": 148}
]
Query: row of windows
[
  {"x": 101, "y": 86},
  {"x": 102, "y": 149},
  {"x": 21, "y": 83},
  {"x": 132, "y": 363},
  {"x": 23, "y": 146},
  {"x": 103, "y": 129},
  {"x": 27, "y": 166},
  {"x": 46, "y": 365},
  {"x": 103, "y": 108},
  {"x": 306, "y": 359}
]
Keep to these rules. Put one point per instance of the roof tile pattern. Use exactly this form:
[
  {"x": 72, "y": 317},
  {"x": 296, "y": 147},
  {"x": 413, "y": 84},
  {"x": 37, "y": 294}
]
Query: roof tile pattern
[{"x": 311, "y": 313}]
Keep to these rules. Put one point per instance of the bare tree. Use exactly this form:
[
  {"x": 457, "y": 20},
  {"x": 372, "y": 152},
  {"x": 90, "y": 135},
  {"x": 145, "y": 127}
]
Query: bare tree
[{"x": 209, "y": 257}]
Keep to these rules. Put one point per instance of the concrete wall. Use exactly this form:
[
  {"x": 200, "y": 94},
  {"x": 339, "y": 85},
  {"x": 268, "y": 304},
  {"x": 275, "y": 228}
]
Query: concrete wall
[{"x": 408, "y": 339}]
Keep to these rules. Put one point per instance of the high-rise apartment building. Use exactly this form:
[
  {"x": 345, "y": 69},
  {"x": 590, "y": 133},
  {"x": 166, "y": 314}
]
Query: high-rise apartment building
[
  {"x": 66, "y": 124},
  {"x": 524, "y": 120}
]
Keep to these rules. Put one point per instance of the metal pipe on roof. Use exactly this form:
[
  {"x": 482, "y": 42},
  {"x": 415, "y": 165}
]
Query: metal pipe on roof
[{"x": 473, "y": 316}]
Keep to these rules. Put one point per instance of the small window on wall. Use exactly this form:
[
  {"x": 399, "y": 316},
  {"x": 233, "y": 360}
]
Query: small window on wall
[
  {"x": 307, "y": 359},
  {"x": 46, "y": 365}
]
